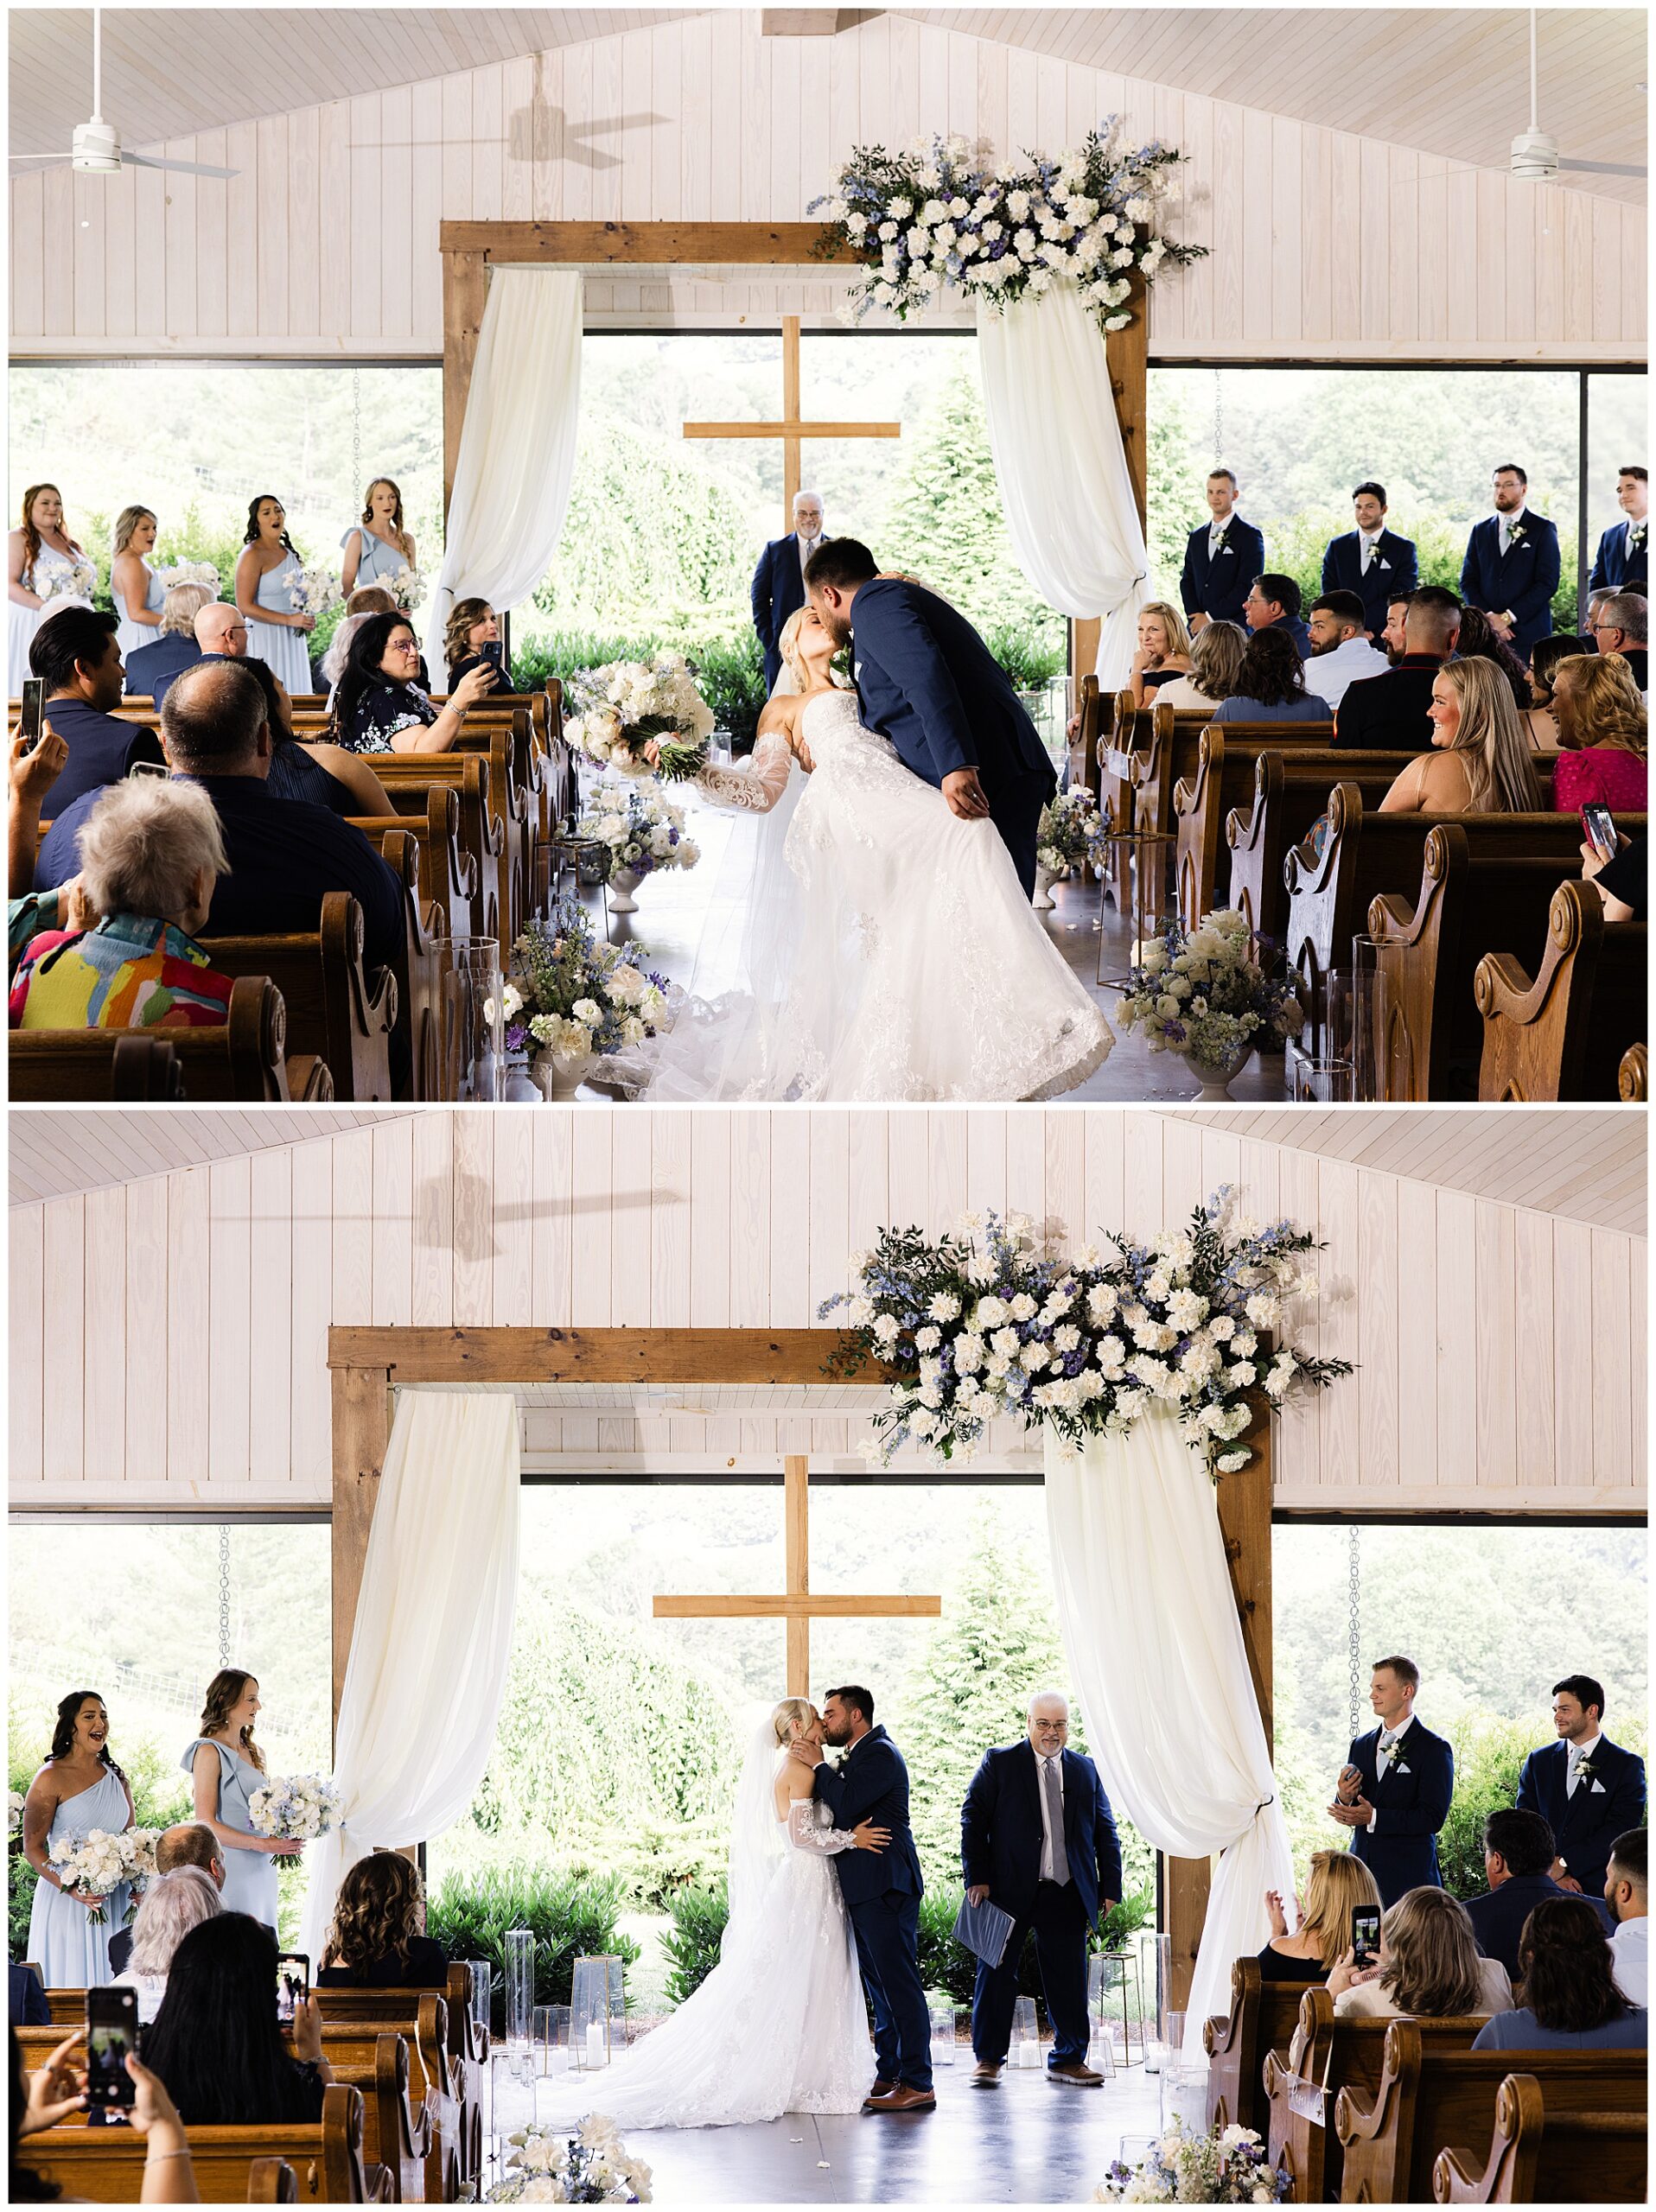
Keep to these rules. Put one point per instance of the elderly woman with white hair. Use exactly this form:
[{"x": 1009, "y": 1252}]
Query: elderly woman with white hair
[
  {"x": 173, "y": 1904},
  {"x": 151, "y": 852}
]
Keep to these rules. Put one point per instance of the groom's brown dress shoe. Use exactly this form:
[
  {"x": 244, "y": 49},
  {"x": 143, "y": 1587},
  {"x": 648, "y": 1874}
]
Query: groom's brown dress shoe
[
  {"x": 901, "y": 2099},
  {"x": 1075, "y": 2077},
  {"x": 987, "y": 2072},
  {"x": 881, "y": 2088}
]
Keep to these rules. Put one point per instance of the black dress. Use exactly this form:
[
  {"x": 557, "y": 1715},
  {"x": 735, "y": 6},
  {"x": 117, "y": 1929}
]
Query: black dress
[
  {"x": 427, "y": 1968},
  {"x": 1275, "y": 1967},
  {"x": 296, "y": 773},
  {"x": 383, "y": 713},
  {"x": 507, "y": 688}
]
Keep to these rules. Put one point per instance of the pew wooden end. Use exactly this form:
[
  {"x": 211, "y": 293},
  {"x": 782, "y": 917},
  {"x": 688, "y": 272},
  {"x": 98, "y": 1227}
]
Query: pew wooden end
[{"x": 1565, "y": 1035}]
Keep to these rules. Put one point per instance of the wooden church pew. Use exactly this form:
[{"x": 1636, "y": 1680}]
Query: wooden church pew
[
  {"x": 1262, "y": 2017},
  {"x": 1632, "y": 1074},
  {"x": 1290, "y": 793},
  {"x": 67, "y": 1066},
  {"x": 417, "y": 969},
  {"x": 104, "y": 2165},
  {"x": 244, "y": 1058},
  {"x": 398, "y": 2126},
  {"x": 334, "y": 1009},
  {"x": 1328, "y": 2055},
  {"x": 1551, "y": 2145},
  {"x": 1569, "y": 1032},
  {"x": 449, "y": 874},
  {"x": 1390, "y": 2140},
  {"x": 450, "y": 2055}
]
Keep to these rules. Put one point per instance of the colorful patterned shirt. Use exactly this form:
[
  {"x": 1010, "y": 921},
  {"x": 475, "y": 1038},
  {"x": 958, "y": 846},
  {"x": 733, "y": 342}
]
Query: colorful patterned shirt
[{"x": 128, "y": 973}]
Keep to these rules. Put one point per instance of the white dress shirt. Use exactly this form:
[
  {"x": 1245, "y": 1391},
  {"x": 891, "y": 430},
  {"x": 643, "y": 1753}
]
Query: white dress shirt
[
  {"x": 1368, "y": 548},
  {"x": 1507, "y": 525},
  {"x": 1630, "y": 1960},
  {"x": 1057, "y": 1763},
  {"x": 807, "y": 547},
  {"x": 1388, "y": 1736},
  {"x": 1215, "y": 531},
  {"x": 1575, "y": 1754},
  {"x": 1330, "y": 675}
]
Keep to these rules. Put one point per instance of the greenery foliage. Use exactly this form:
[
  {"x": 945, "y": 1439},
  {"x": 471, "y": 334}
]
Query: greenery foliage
[
  {"x": 569, "y": 1919},
  {"x": 699, "y": 1914}
]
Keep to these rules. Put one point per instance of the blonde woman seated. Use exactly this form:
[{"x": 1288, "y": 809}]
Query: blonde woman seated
[
  {"x": 1429, "y": 1965},
  {"x": 173, "y": 1904},
  {"x": 1337, "y": 1882},
  {"x": 1164, "y": 652},
  {"x": 1480, "y": 762},
  {"x": 1215, "y": 663}
]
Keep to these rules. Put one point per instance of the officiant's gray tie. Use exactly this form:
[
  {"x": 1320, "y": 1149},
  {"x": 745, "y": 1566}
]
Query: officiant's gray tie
[{"x": 1055, "y": 1819}]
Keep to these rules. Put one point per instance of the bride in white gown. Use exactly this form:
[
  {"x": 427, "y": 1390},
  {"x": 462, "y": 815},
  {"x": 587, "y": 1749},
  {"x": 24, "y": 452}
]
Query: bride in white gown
[
  {"x": 781, "y": 2024},
  {"x": 887, "y": 948}
]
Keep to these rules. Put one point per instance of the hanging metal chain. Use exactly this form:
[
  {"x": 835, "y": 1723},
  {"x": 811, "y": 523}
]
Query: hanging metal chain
[
  {"x": 1354, "y": 1632},
  {"x": 356, "y": 431},
  {"x": 224, "y": 1597},
  {"x": 1218, "y": 418}
]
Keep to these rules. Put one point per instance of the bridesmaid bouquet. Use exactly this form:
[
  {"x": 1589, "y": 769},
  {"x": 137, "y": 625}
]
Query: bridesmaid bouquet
[
  {"x": 16, "y": 1802},
  {"x": 76, "y": 582},
  {"x": 642, "y": 831},
  {"x": 93, "y": 1865},
  {"x": 622, "y": 705},
  {"x": 190, "y": 572},
  {"x": 548, "y": 2165},
  {"x": 1232, "y": 2167},
  {"x": 314, "y": 591},
  {"x": 407, "y": 588},
  {"x": 298, "y": 1808}
]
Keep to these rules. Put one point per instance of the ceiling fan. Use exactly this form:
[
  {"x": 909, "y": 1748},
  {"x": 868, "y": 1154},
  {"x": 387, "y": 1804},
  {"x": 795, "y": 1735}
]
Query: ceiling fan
[
  {"x": 96, "y": 147},
  {"x": 1536, "y": 158}
]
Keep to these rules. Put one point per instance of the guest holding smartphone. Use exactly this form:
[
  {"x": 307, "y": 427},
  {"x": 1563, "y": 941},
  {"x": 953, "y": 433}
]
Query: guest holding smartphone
[
  {"x": 471, "y": 639},
  {"x": 226, "y": 1767}
]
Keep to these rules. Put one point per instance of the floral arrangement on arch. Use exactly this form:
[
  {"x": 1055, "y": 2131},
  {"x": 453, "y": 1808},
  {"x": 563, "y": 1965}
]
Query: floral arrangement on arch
[
  {"x": 1229, "y": 2167},
  {"x": 992, "y": 1321},
  {"x": 620, "y": 707},
  {"x": 315, "y": 592},
  {"x": 296, "y": 1807},
  {"x": 940, "y": 212},
  {"x": 1071, "y": 831},
  {"x": 641, "y": 830},
  {"x": 549, "y": 2166},
  {"x": 573, "y": 996},
  {"x": 1204, "y": 993}
]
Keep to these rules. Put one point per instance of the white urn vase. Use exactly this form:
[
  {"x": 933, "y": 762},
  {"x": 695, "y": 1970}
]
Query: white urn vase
[
  {"x": 558, "y": 1077},
  {"x": 1042, "y": 901},
  {"x": 623, "y": 882},
  {"x": 1216, "y": 1077}
]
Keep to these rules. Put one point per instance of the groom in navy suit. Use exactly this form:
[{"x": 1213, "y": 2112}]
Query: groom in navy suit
[
  {"x": 1394, "y": 1792},
  {"x": 1586, "y": 1789},
  {"x": 1371, "y": 560},
  {"x": 926, "y": 680},
  {"x": 1038, "y": 1839},
  {"x": 882, "y": 1893},
  {"x": 1511, "y": 568}
]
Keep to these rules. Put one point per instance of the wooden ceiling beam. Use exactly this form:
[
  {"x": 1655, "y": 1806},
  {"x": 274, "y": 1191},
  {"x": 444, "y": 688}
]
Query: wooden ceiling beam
[{"x": 502, "y": 1355}]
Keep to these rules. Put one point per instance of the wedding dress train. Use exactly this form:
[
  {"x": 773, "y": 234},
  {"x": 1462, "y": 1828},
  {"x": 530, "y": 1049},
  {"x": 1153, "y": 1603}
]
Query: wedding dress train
[{"x": 892, "y": 956}]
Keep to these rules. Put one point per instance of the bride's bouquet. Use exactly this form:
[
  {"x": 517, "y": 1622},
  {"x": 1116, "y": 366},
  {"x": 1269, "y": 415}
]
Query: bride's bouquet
[
  {"x": 315, "y": 592},
  {"x": 548, "y": 2165},
  {"x": 642, "y": 831},
  {"x": 619, "y": 707},
  {"x": 1231, "y": 2167},
  {"x": 297, "y": 1806},
  {"x": 407, "y": 588},
  {"x": 573, "y": 997},
  {"x": 1071, "y": 831},
  {"x": 93, "y": 1865},
  {"x": 1202, "y": 993},
  {"x": 76, "y": 581}
]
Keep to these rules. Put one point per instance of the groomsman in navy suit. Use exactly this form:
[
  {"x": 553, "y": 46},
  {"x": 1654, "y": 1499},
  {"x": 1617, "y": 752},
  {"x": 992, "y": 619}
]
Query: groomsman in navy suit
[
  {"x": 1619, "y": 563},
  {"x": 1394, "y": 1792},
  {"x": 1586, "y": 1789},
  {"x": 1221, "y": 559},
  {"x": 1371, "y": 560},
  {"x": 1037, "y": 1839},
  {"x": 1511, "y": 568},
  {"x": 779, "y": 580}
]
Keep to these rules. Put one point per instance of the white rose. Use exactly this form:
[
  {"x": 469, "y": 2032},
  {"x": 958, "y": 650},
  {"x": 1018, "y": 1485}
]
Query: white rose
[
  {"x": 886, "y": 1330},
  {"x": 927, "y": 1339},
  {"x": 944, "y": 1307},
  {"x": 588, "y": 1013}
]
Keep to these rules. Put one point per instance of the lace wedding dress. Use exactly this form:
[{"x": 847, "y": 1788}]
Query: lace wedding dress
[
  {"x": 781, "y": 2024},
  {"x": 891, "y": 956}
]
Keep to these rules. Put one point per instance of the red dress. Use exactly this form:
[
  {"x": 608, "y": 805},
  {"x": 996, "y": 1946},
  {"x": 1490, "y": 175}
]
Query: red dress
[{"x": 1603, "y": 775}]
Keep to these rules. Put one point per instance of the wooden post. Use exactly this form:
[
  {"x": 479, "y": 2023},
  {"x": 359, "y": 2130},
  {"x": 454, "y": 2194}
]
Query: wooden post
[
  {"x": 361, "y": 1431},
  {"x": 797, "y": 1472},
  {"x": 465, "y": 289},
  {"x": 1243, "y": 1504},
  {"x": 792, "y": 449}
]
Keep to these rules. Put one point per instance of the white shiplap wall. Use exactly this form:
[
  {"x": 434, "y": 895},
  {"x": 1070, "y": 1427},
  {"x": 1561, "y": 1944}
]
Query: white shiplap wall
[
  {"x": 168, "y": 1337},
  {"x": 1324, "y": 244}
]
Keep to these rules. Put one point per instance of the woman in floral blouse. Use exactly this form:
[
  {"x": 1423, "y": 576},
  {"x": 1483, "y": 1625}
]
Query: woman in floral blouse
[{"x": 378, "y": 706}]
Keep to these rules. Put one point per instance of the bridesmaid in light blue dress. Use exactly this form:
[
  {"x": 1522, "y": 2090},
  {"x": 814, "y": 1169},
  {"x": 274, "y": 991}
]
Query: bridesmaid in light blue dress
[
  {"x": 227, "y": 1767},
  {"x": 40, "y": 553},
  {"x": 77, "y": 1790},
  {"x": 379, "y": 547},
  {"x": 131, "y": 574},
  {"x": 267, "y": 569}
]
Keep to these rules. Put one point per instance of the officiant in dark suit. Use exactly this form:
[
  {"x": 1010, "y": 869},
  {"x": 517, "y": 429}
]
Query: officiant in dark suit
[
  {"x": 779, "y": 580},
  {"x": 1371, "y": 560},
  {"x": 1394, "y": 1792},
  {"x": 1221, "y": 559},
  {"x": 1586, "y": 1789},
  {"x": 1037, "y": 1839},
  {"x": 1511, "y": 568}
]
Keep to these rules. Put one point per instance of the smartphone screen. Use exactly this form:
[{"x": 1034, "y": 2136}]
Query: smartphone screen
[
  {"x": 33, "y": 713},
  {"x": 1600, "y": 830},
  {"x": 1366, "y": 1934},
  {"x": 112, "y": 2034},
  {"x": 292, "y": 1985}
]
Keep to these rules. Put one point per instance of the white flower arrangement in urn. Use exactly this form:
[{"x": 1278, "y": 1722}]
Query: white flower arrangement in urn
[
  {"x": 623, "y": 706},
  {"x": 1232, "y": 2166},
  {"x": 641, "y": 831},
  {"x": 551, "y": 2166},
  {"x": 1070, "y": 834},
  {"x": 1206, "y": 994}
]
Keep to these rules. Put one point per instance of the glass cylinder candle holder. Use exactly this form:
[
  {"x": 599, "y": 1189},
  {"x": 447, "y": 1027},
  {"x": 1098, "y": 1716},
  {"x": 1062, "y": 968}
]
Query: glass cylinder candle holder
[
  {"x": 940, "y": 2005},
  {"x": 1025, "y": 2050},
  {"x": 520, "y": 1985},
  {"x": 598, "y": 2012},
  {"x": 482, "y": 1992}
]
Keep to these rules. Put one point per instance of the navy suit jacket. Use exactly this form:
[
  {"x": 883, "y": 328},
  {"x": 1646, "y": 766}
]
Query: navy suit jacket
[
  {"x": 101, "y": 752},
  {"x": 1410, "y": 1801},
  {"x": 1001, "y": 1832},
  {"x": 1585, "y": 1825},
  {"x": 1524, "y": 580},
  {"x": 871, "y": 1783},
  {"x": 1217, "y": 589},
  {"x": 1394, "y": 570},
  {"x": 26, "y": 2005},
  {"x": 1498, "y": 1916},
  {"x": 1615, "y": 566},
  {"x": 152, "y": 668},
  {"x": 1299, "y": 630},
  {"x": 778, "y": 592}
]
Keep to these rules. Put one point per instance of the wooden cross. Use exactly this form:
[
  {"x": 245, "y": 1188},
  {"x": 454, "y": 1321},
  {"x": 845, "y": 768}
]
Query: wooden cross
[
  {"x": 796, "y": 1605},
  {"x": 791, "y": 430}
]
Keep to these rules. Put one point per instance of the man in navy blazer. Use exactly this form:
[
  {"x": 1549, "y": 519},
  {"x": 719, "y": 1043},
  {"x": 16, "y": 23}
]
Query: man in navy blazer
[
  {"x": 1394, "y": 1792},
  {"x": 927, "y": 681},
  {"x": 1518, "y": 1849},
  {"x": 1511, "y": 568},
  {"x": 1221, "y": 559},
  {"x": 1371, "y": 560},
  {"x": 1273, "y": 603},
  {"x": 26, "y": 2005},
  {"x": 779, "y": 580},
  {"x": 1037, "y": 1839},
  {"x": 76, "y": 657},
  {"x": 882, "y": 1891},
  {"x": 1586, "y": 1789},
  {"x": 1621, "y": 563}
]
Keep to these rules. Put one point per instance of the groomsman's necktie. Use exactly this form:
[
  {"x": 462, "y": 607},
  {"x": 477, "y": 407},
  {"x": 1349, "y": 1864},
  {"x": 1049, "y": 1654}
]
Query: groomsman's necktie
[
  {"x": 1368, "y": 553},
  {"x": 1505, "y": 533},
  {"x": 1055, "y": 1819},
  {"x": 1573, "y": 1754}
]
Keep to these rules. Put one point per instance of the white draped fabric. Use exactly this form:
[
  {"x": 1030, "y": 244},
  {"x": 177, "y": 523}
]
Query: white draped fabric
[
  {"x": 1155, "y": 1647},
  {"x": 433, "y": 1635},
  {"x": 516, "y": 446},
  {"x": 1062, "y": 468}
]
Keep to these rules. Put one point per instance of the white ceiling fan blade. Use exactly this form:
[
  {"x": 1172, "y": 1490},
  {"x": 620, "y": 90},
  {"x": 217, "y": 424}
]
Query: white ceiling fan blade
[
  {"x": 15, "y": 158},
  {"x": 186, "y": 169},
  {"x": 1606, "y": 169}
]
